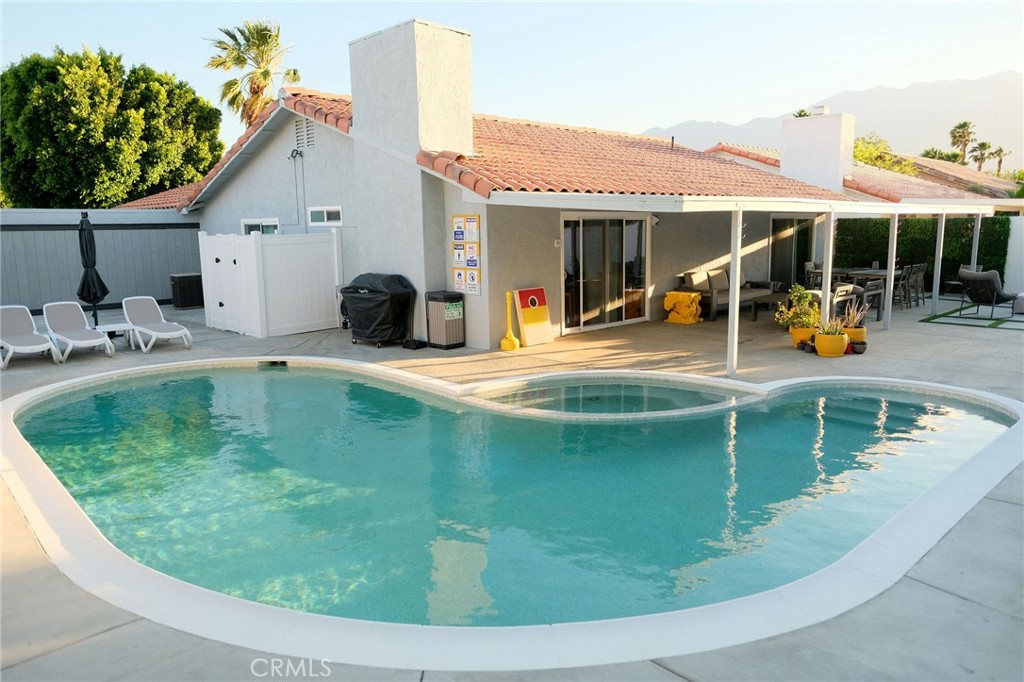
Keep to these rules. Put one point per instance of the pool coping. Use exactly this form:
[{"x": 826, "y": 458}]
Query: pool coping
[{"x": 78, "y": 549}]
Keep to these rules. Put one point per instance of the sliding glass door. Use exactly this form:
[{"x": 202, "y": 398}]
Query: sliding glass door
[{"x": 605, "y": 264}]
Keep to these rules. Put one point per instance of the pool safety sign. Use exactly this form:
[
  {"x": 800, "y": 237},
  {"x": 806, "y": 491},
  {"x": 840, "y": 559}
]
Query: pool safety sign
[
  {"x": 465, "y": 249},
  {"x": 534, "y": 316}
]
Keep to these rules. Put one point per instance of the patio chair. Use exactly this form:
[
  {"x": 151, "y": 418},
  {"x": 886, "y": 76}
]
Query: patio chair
[
  {"x": 901, "y": 287},
  {"x": 984, "y": 288},
  {"x": 916, "y": 284},
  {"x": 874, "y": 289},
  {"x": 144, "y": 315},
  {"x": 66, "y": 323},
  {"x": 18, "y": 335}
]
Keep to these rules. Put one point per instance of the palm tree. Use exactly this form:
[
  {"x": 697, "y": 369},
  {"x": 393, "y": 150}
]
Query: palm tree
[
  {"x": 255, "y": 45},
  {"x": 801, "y": 113},
  {"x": 960, "y": 136},
  {"x": 981, "y": 153},
  {"x": 999, "y": 154}
]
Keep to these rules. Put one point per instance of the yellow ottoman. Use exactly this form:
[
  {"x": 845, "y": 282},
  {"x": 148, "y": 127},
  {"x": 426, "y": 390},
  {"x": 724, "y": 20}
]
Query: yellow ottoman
[{"x": 683, "y": 307}]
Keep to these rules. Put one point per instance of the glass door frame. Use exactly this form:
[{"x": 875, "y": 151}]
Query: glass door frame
[
  {"x": 814, "y": 219},
  {"x": 647, "y": 220}
]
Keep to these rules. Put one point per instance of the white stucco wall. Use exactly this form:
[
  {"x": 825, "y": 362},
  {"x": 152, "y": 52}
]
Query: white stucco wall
[
  {"x": 270, "y": 184},
  {"x": 818, "y": 149},
  {"x": 522, "y": 253},
  {"x": 413, "y": 85}
]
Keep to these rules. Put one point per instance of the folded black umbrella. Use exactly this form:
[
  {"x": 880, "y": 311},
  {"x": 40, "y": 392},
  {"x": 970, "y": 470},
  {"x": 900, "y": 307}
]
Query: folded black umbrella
[{"x": 91, "y": 289}]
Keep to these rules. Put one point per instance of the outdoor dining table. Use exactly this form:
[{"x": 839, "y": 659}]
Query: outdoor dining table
[{"x": 856, "y": 274}]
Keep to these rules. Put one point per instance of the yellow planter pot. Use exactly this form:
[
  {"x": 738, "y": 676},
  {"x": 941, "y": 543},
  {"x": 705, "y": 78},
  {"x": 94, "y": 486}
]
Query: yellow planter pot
[
  {"x": 801, "y": 334},
  {"x": 856, "y": 333},
  {"x": 831, "y": 345}
]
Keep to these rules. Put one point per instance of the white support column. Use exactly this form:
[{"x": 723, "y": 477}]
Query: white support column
[
  {"x": 940, "y": 235},
  {"x": 974, "y": 241},
  {"x": 826, "y": 266},
  {"x": 736, "y": 246},
  {"x": 890, "y": 270}
]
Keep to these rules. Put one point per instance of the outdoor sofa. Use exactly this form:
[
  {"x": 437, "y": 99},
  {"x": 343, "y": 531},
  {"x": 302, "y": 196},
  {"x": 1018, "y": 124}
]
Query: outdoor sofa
[{"x": 713, "y": 286}]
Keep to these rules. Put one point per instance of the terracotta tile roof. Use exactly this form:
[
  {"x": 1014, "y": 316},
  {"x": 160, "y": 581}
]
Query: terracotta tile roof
[
  {"x": 876, "y": 182},
  {"x": 885, "y": 184},
  {"x": 527, "y": 156},
  {"x": 765, "y": 155},
  {"x": 171, "y": 198},
  {"x": 323, "y": 107},
  {"x": 962, "y": 176}
]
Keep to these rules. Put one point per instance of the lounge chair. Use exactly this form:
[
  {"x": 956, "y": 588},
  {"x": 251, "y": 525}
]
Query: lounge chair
[
  {"x": 145, "y": 317},
  {"x": 984, "y": 288},
  {"x": 66, "y": 323},
  {"x": 18, "y": 334}
]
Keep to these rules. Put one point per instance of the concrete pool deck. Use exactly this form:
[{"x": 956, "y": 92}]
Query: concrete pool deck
[{"x": 956, "y": 615}]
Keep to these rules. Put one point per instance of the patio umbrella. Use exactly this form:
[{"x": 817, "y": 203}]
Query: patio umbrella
[{"x": 91, "y": 289}]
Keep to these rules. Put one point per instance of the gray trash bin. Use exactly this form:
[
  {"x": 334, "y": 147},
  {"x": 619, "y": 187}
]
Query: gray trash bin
[{"x": 446, "y": 321}]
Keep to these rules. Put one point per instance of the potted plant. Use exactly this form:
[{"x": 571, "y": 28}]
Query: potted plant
[
  {"x": 853, "y": 321},
  {"x": 801, "y": 317},
  {"x": 830, "y": 340}
]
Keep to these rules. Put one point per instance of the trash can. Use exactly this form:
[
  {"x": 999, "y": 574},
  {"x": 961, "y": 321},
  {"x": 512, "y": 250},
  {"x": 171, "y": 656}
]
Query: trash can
[
  {"x": 446, "y": 322},
  {"x": 378, "y": 307},
  {"x": 187, "y": 290}
]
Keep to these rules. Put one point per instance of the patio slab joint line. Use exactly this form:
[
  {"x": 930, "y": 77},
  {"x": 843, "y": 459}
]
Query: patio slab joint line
[{"x": 94, "y": 635}]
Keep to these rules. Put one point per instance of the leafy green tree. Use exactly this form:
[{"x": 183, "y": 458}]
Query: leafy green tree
[
  {"x": 875, "y": 151},
  {"x": 961, "y": 135},
  {"x": 999, "y": 154},
  {"x": 78, "y": 132},
  {"x": 255, "y": 46},
  {"x": 933, "y": 153},
  {"x": 980, "y": 153}
]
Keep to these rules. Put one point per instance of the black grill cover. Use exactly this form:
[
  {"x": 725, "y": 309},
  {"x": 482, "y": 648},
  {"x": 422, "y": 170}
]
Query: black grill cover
[{"x": 378, "y": 306}]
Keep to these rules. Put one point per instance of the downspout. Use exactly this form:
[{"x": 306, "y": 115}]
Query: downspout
[
  {"x": 940, "y": 235},
  {"x": 736, "y": 245}
]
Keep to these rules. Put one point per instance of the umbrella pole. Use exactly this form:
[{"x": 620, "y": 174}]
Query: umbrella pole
[{"x": 95, "y": 316}]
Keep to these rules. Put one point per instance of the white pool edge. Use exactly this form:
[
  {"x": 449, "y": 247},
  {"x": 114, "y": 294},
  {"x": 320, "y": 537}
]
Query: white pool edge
[{"x": 80, "y": 551}]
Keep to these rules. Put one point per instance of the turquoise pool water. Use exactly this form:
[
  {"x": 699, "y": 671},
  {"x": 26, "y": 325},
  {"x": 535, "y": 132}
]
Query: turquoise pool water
[
  {"x": 315, "y": 490},
  {"x": 597, "y": 396}
]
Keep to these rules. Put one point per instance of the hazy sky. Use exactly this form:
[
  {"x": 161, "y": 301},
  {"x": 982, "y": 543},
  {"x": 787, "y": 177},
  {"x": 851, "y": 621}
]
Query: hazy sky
[{"x": 618, "y": 66}]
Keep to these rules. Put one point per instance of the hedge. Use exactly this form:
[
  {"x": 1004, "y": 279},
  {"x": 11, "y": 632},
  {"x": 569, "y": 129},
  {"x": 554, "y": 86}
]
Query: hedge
[{"x": 859, "y": 241}]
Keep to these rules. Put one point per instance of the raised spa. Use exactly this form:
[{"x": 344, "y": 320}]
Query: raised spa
[{"x": 334, "y": 493}]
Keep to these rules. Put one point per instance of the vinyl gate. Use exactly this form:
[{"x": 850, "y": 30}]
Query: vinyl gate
[{"x": 270, "y": 285}]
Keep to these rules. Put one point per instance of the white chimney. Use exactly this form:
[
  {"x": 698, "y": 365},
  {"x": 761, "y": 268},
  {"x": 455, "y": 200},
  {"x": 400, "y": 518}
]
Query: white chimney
[
  {"x": 412, "y": 87},
  {"x": 818, "y": 149}
]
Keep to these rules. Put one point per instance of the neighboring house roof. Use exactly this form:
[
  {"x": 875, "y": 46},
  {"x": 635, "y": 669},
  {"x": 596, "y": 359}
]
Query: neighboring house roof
[
  {"x": 170, "y": 198},
  {"x": 866, "y": 179},
  {"x": 963, "y": 177},
  {"x": 527, "y": 156}
]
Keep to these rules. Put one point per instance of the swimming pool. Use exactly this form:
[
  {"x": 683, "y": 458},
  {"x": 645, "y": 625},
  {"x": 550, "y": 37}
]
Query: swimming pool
[{"x": 464, "y": 539}]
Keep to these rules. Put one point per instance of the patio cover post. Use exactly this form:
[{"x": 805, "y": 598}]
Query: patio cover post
[
  {"x": 735, "y": 245},
  {"x": 826, "y": 266},
  {"x": 940, "y": 235},
  {"x": 890, "y": 270},
  {"x": 974, "y": 241}
]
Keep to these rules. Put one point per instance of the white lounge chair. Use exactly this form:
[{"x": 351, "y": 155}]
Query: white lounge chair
[
  {"x": 66, "y": 323},
  {"x": 18, "y": 334},
  {"x": 145, "y": 317}
]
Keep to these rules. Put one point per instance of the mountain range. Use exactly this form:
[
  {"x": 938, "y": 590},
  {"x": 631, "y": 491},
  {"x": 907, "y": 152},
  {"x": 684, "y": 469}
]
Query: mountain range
[{"x": 911, "y": 119}]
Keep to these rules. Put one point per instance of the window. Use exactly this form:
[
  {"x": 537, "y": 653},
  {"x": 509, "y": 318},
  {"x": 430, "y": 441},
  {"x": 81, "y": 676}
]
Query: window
[
  {"x": 325, "y": 215},
  {"x": 305, "y": 137},
  {"x": 261, "y": 225}
]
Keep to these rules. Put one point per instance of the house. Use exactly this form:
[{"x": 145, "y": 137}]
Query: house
[
  {"x": 962, "y": 177},
  {"x": 419, "y": 185}
]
